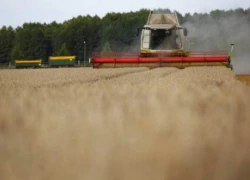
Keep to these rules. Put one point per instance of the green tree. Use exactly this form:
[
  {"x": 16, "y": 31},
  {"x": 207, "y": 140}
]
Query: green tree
[
  {"x": 106, "y": 47},
  {"x": 63, "y": 51},
  {"x": 7, "y": 36},
  {"x": 32, "y": 40},
  {"x": 16, "y": 53}
]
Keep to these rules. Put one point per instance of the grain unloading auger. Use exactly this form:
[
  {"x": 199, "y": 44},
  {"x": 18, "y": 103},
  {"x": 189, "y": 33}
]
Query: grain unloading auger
[{"x": 163, "y": 44}]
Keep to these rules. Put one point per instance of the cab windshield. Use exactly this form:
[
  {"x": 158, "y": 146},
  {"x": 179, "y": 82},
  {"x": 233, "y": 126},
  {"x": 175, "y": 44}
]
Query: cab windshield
[{"x": 162, "y": 39}]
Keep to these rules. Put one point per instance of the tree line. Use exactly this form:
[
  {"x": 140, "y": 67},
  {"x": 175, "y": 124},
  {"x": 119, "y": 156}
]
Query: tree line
[{"x": 115, "y": 31}]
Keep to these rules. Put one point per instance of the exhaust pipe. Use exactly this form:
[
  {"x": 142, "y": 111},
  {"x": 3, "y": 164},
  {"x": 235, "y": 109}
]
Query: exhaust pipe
[{"x": 230, "y": 56}]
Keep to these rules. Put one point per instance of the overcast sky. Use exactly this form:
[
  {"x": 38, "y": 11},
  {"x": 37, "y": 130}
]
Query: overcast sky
[{"x": 16, "y": 12}]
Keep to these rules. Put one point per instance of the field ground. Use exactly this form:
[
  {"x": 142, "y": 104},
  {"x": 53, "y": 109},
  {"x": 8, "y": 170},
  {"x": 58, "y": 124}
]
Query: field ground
[
  {"x": 129, "y": 123},
  {"x": 244, "y": 78}
]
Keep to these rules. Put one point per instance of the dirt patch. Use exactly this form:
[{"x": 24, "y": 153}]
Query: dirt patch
[{"x": 244, "y": 78}]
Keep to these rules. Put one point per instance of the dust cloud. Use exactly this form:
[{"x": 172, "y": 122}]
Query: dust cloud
[{"x": 211, "y": 33}]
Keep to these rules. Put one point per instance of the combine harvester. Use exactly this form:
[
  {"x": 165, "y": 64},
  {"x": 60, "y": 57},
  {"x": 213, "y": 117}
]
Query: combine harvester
[{"x": 163, "y": 44}]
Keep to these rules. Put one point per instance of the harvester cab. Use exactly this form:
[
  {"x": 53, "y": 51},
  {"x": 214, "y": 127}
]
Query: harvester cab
[
  {"x": 162, "y": 33},
  {"x": 164, "y": 43}
]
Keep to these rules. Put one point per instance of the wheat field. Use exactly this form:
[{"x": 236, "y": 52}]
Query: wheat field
[{"x": 124, "y": 124}]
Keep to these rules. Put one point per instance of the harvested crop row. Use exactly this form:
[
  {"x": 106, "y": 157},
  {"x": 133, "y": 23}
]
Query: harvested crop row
[
  {"x": 157, "y": 124},
  {"x": 57, "y": 77},
  {"x": 134, "y": 79}
]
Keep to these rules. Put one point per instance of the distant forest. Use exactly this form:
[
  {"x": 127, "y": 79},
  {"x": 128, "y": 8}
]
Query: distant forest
[{"x": 118, "y": 32}]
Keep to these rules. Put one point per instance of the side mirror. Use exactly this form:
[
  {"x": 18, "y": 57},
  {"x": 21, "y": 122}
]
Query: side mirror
[
  {"x": 185, "y": 31},
  {"x": 138, "y": 31}
]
